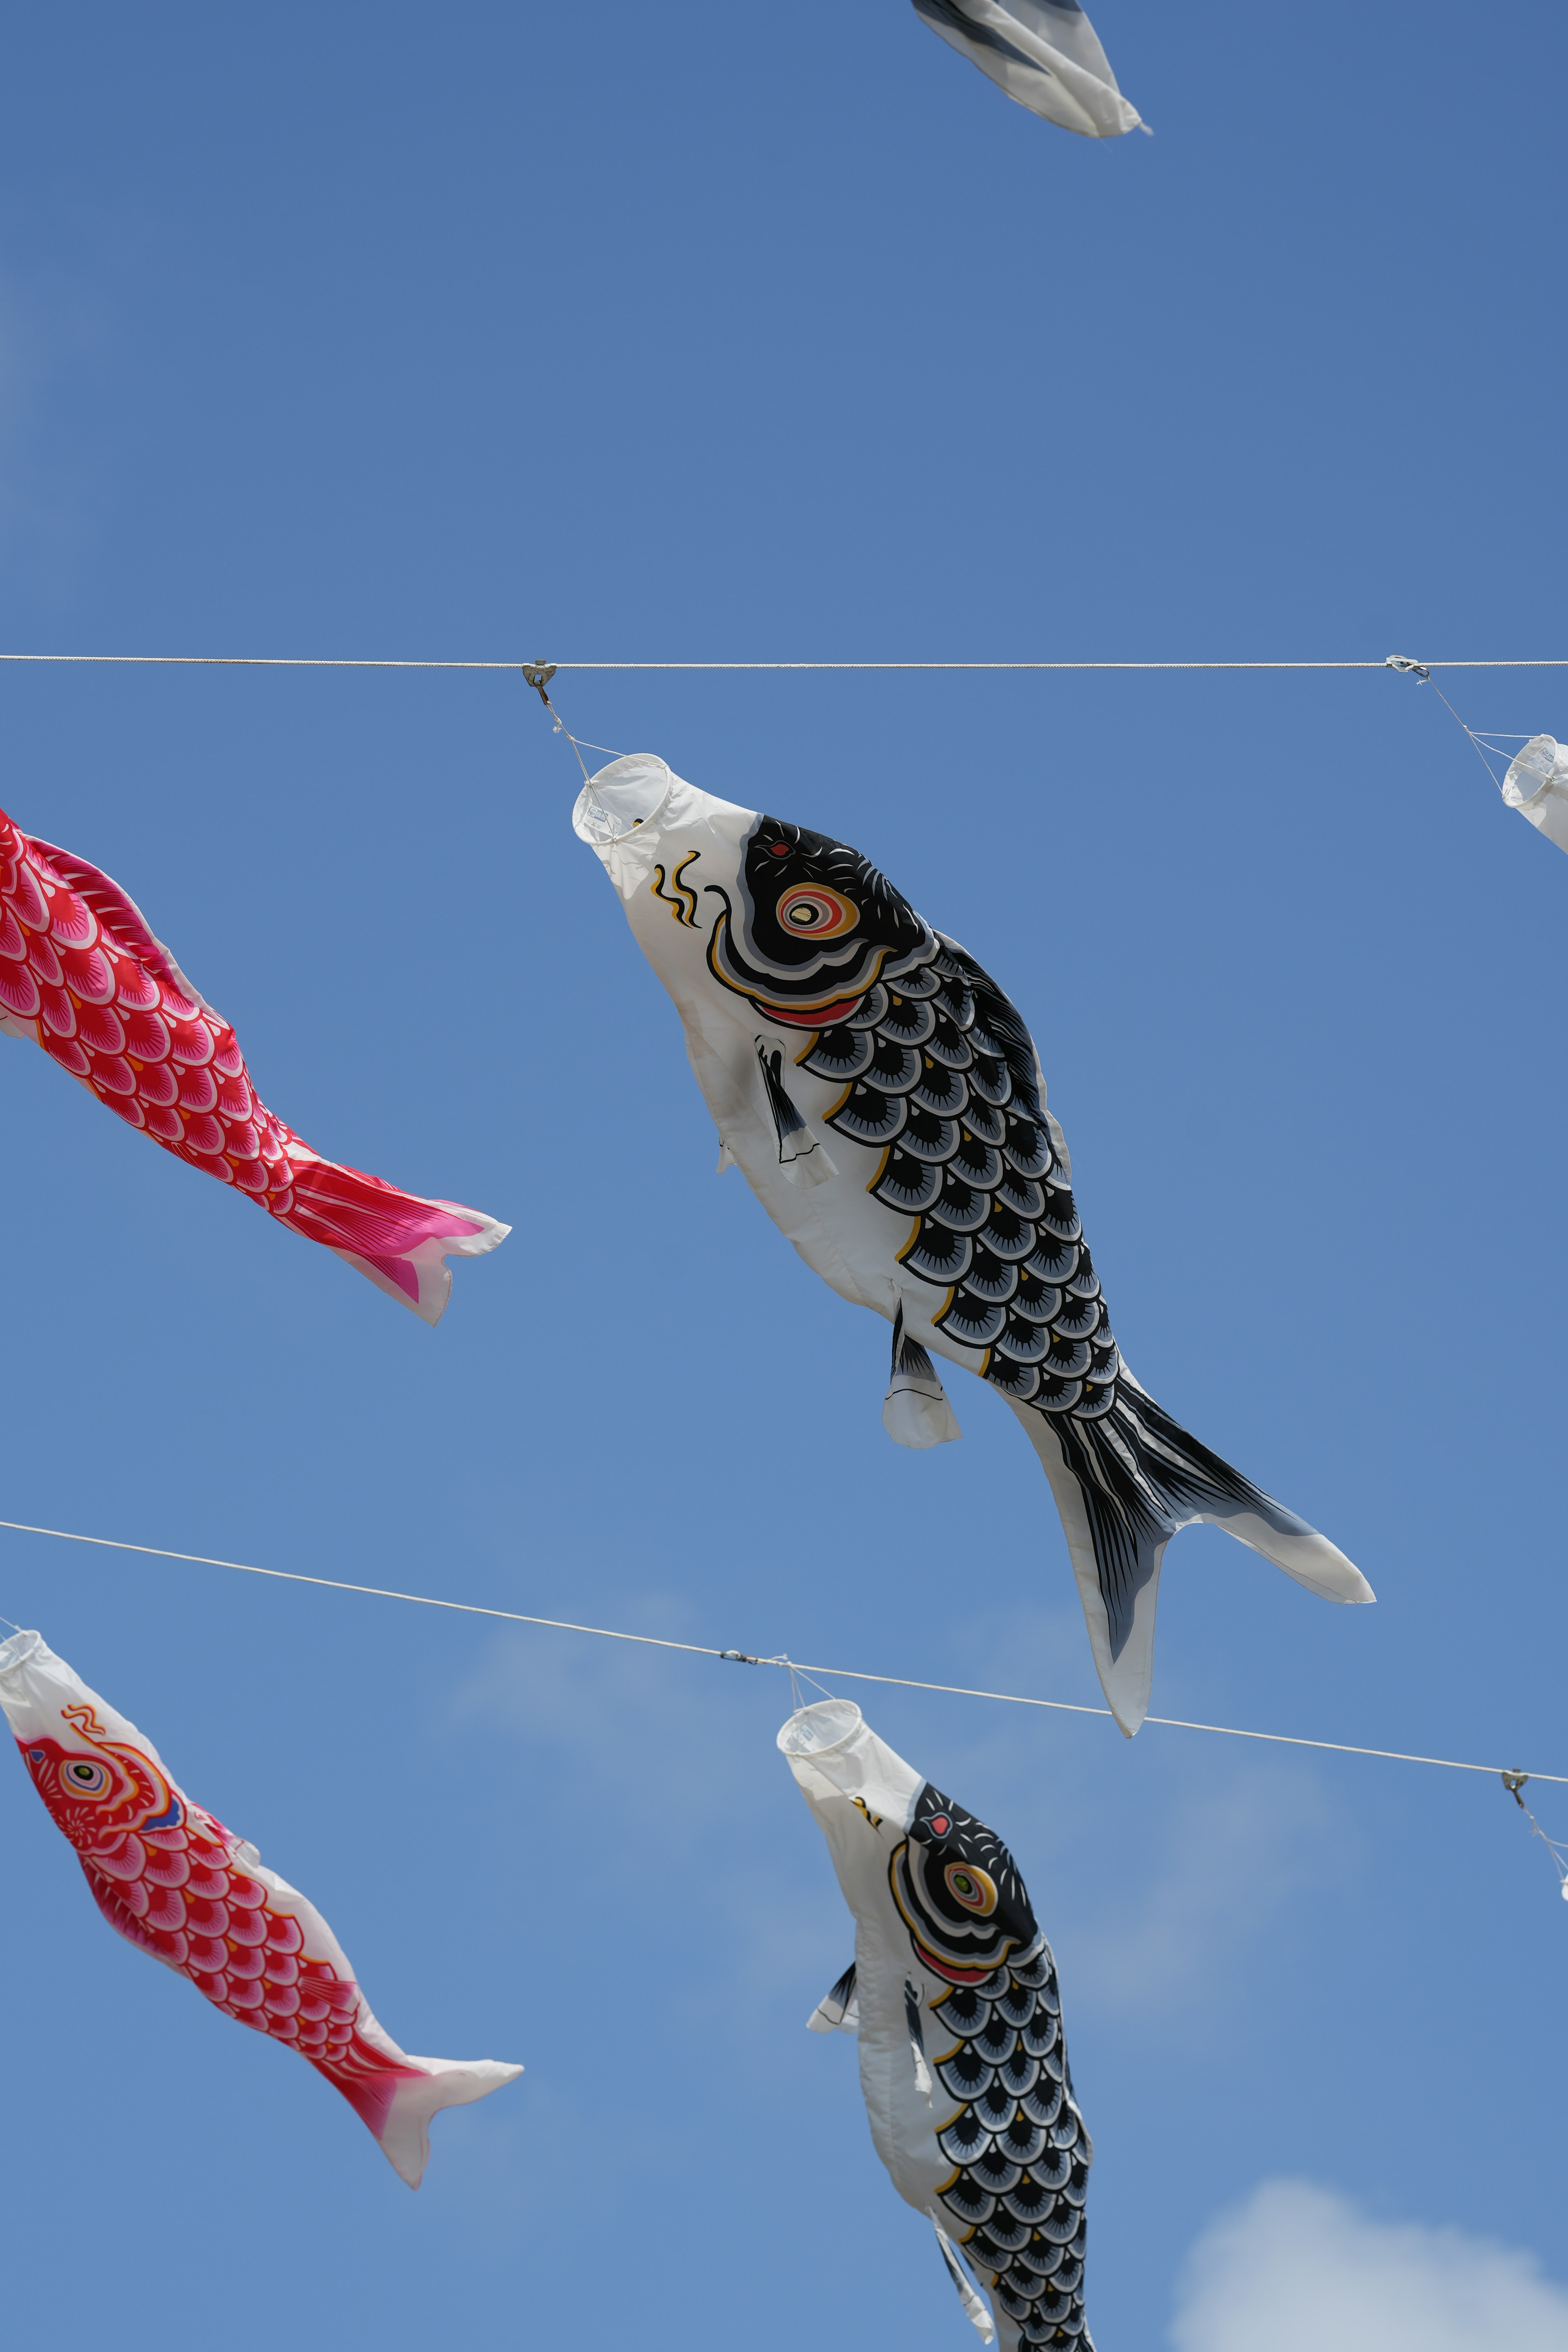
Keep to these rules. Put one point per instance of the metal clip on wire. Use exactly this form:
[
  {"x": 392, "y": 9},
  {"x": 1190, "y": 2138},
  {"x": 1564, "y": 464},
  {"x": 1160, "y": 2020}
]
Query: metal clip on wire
[
  {"x": 1513, "y": 1782},
  {"x": 1402, "y": 662},
  {"x": 539, "y": 674}
]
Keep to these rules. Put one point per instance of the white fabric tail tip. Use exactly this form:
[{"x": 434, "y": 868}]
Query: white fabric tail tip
[
  {"x": 404, "y": 2134},
  {"x": 980, "y": 2319},
  {"x": 809, "y": 1166},
  {"x": 917, "y": 1415},
  {"x": 838, "y": 2010},
  {"x": 825, "y": 2019}
]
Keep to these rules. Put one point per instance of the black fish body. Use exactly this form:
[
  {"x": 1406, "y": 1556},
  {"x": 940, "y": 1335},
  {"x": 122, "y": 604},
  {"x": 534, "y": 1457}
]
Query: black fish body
[
  {"x": 885, "y": 1101},
  {"x": 954, "y": 1999}
]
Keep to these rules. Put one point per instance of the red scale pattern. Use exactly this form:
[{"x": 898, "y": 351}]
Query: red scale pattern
[
  {"x": 183, "y": 1895},
  {"x": 190, "y": 1908},
  {"x": 82, "y": 974}
]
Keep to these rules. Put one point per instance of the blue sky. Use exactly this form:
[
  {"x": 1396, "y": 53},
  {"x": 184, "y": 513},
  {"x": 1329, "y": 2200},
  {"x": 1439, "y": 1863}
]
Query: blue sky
[{"x": 728, "y": 334}]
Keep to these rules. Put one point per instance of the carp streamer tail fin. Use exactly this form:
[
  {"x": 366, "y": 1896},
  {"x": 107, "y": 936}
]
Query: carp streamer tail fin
[
  {"x": 1124, "y": 1483},
  {"x": 403, "y": 2124},
  {"x": 398, "y": 1239}
]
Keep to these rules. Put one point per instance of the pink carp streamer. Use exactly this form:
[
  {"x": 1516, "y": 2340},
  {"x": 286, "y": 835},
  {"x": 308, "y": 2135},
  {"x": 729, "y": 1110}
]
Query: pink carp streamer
[
  {"x": 83, "y": 976},
  {"x": 172, "y": 1880}
]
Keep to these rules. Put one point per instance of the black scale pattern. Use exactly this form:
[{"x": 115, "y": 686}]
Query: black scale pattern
[
  {"x": 937, "y": 1085},
  {"x": 939, "y": 1077},
  {"x": 1019, "y": 2147},
  {"x": 941, "y": 1080}
]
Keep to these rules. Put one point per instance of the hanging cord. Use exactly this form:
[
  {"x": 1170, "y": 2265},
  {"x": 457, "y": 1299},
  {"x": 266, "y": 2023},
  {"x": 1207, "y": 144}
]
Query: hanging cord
[
  {"x": 749, "y": 1658},
  {"x": 539, "y": 674},
  {"x": 1422, "y": 672},
  {"x": 1556, "y": 1847},
  {"x": 797, "y": 1674}
]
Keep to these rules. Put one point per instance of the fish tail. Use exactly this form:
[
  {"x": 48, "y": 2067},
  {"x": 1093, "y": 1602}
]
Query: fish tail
[
  {"x": 399, "y": 2103},
  {"x": 1124, "y": 1483},
  {"x": 398, "y": 1240}
]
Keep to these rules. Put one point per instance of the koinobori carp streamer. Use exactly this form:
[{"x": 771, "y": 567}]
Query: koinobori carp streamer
[
  {"x": 886, "y": 1104},
  {"x": 955, "y": 1998},
  {"x": 1044, "y": 54},
  {"x": 169, "y": 1877},
  {"x": 84, "y": 977}
]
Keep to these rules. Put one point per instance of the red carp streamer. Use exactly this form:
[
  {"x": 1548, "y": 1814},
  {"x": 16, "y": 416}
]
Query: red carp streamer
[
  {"x": 170, "y": 1879},
  {"x": 83, "y": 976}
]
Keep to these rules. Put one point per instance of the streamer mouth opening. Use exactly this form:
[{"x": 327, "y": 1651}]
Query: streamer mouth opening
[
  {"x": 620, "y": 798},
  {"x": 17, "y": 1650},
  {"x": 816, "y": 1729},
  {"x": 1533, "y": 772}
]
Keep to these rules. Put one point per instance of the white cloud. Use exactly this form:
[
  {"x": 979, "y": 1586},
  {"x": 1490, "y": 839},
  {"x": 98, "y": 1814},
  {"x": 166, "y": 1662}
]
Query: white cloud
[{"x": 1297, "y": 2268}]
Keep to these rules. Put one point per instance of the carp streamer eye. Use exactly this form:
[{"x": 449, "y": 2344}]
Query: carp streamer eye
[
  {"x": 82, "y": 1778},
  {"x": 971, "y": 1887},
  {"x": 817, "y": 912}
]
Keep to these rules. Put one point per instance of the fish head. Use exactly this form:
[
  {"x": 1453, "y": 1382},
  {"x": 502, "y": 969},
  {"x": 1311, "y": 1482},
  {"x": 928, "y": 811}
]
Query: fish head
[
  {"x": 959, "y": 1893},
  {"x": 97, "y": 1788},
  {"x": 811, "y": 928},
  {"x": 799, "y": 926}
]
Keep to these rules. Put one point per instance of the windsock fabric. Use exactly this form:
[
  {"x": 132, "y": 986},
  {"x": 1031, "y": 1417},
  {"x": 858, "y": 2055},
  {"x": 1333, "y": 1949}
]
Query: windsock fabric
[
  {"x": 1536, "y": 785},
  {"x": 886, "y": 1104},
  {"x": 953, "y": 1997},
  {"x": 1044, "y": 53},
  {"x": 83, "y": 976},
  {"x": 170, "y": 1879}
]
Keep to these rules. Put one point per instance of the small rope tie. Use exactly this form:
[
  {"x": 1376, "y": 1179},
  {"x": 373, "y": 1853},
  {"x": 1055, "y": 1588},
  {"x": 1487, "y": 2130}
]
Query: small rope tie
[
  {"x": 1422, "y": 672},
  {"x": 539, "y": 674},
  {"x": 1556, "y": 1847}
]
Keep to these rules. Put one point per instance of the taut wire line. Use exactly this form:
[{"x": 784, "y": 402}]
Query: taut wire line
[
  {"x": 320, "y": 661},
  {"x": 257, "y": 661},
  {"x": 747, "y": 1658}
]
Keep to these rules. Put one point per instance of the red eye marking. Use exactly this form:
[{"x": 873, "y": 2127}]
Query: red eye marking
[
  {"x": 940, "y": 1824},
  {"x": 779, "y": 849}
]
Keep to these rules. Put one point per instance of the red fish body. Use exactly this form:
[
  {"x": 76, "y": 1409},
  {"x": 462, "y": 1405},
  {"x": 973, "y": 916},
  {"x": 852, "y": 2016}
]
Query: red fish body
[
  {"x": 83, "y": 976},
  {"x": 169, "y": 1877}
]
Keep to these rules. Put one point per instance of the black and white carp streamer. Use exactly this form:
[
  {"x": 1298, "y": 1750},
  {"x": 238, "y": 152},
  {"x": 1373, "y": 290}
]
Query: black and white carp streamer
[
  {"x": 886, "y": 1104},
  {"x": 1044, "y": 54},
  {"x": 953, "y": 1995}
]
